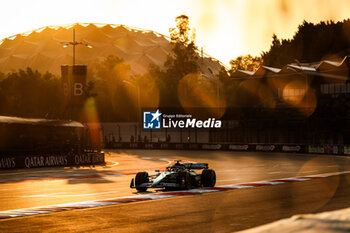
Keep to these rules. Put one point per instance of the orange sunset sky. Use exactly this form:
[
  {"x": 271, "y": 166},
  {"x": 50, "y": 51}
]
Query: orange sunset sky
[{"x": 225, "y": 28}]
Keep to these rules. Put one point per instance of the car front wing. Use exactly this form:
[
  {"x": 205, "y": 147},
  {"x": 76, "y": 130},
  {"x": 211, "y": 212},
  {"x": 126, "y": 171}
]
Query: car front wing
[{"x": 150, "y": 185}]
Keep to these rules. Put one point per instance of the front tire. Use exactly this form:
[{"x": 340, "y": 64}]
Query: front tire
[
  {"x": 208, "y": 178},
  {"x": 184, "y": 180},
  {"x": 141, "y": 177}
]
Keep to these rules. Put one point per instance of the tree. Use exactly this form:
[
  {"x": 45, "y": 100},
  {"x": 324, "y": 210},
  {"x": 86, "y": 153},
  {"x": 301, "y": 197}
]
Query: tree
[
  {"x": 182, "y": 32},
  {"x": 90, "y": 89},
  {"x": 115, "y": 99},
  {"x": 247, "y": 62},
  {"x": 28, "y": 93},
  {"x": 182, "y": 61},
  {"x": 310, "y": 43}
]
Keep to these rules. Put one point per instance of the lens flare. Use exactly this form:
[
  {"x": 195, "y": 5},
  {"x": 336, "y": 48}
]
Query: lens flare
[
  {"x": 149, "y": 91},
  {"x": 93, "y": 123},
  {"x": 326, "y": 187},
  {"x": 201, "y": 97},
  {"x": 266, "y": 96},
  {"x": 254, "y": 91},
  {"x": 300, "y": 96},
  {"x": 294, "y": 92}
]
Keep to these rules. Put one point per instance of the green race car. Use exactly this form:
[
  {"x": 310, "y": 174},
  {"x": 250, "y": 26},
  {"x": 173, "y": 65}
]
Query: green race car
[{"x": 177, "y": 176}]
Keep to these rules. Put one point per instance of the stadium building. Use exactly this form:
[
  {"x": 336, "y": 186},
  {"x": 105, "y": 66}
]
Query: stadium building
[
  {"x": 301, "y": 103},
  {"x": 42, "y": 48}
]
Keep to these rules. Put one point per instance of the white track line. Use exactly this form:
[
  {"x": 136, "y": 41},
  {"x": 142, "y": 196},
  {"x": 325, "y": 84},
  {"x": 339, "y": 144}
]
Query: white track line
[{"x": 114, "y": 163}]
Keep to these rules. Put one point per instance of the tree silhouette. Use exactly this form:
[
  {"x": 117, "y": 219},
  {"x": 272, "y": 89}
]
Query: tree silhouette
[
  {"x": 28, "y": 93},
  {"x": 182, "y": 61},
  {"x": 182, "y": 32},
  {"x": 247, "y": 62},
  {"x": 311, "y": 42}
]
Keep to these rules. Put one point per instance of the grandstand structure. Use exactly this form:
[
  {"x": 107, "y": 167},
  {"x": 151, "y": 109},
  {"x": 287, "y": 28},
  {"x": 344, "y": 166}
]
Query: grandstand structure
[
  {"x": 41, "y": 49},
  {"x": 296, "y": 83},
  {"x": 300, "y": 103}
]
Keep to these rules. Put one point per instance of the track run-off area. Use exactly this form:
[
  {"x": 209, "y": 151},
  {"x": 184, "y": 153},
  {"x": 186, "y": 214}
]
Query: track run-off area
[{"x": 252, "y": 189}]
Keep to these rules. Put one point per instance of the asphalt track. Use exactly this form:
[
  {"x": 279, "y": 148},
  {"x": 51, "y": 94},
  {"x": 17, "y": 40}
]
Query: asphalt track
[{"x": 224, "y": 211}]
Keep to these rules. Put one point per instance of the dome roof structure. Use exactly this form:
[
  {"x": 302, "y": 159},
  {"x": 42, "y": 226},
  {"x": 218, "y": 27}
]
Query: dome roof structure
[{"x": 42, "y": 48}]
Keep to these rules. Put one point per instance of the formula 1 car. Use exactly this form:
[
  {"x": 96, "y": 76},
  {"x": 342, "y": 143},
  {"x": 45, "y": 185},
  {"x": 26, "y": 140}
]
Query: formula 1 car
[{"x": 177, "y": 176}]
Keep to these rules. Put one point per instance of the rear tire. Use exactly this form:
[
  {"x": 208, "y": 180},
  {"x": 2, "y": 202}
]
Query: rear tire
[
  {"x": 208, "y": 178},
  {"x": 141, "y": 177},
  {"x": 184, "y": 180}
]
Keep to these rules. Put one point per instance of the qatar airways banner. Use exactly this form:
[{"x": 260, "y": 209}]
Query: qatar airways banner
[{"x": 51, "y": 160}]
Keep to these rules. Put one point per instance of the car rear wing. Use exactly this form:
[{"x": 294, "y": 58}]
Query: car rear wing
[{"x": 196, "y": 165}]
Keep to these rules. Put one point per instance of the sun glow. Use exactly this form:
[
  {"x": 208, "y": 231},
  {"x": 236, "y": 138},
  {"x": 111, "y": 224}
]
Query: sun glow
[{"x": 225, "y": 29}]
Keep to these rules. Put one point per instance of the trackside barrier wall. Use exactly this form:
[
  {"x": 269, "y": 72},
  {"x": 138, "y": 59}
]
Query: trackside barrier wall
[
  {"x": 312, "y": 149},
  {"x": 8, "y": 161}
]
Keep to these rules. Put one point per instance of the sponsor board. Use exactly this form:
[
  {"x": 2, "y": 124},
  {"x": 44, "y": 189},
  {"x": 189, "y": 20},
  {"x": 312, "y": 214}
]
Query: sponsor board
[
  {"x": 148, "y": 146},
  {"x": 211, "y": 146},
  {"x": 7, "y": 162},
  {"x": 179, "y": 146},
  {"x": 51, "y": 160},
  {"x": 265, "y": 147},
  {"x": 291, "y": 148},
  {"x": 89, "y": 158},
  {"x": 134, "y": 145},
  {"x": 238, "y": 147},
  {"x": 312, "y": 149},
  {"x": 335, "y": 149},
  {"x": 346, "y": 150},
  {"x": 315, "y": 149},
  {"x": 45, "y": 161},
  {"x": 164, "y": 145},
  {"x": 194, "y": 146}
]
